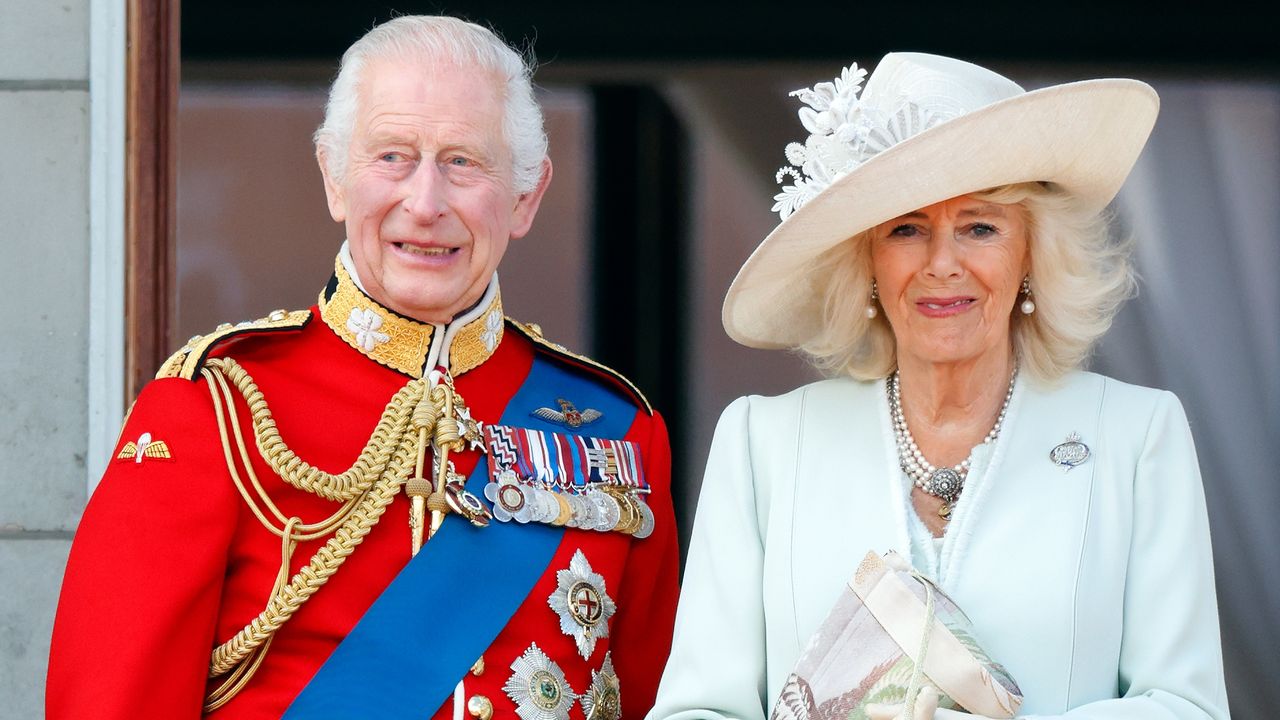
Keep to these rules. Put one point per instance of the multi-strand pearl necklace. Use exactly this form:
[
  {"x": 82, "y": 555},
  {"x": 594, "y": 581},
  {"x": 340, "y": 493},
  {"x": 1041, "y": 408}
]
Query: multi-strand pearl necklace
[{"x": 944, "y": 483}]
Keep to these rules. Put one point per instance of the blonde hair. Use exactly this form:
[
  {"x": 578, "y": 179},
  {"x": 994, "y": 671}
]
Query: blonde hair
[{"x": 1079, "y": 278}]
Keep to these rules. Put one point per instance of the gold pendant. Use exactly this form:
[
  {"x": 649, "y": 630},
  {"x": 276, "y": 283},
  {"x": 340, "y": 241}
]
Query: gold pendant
[{"x": 944, "y": 512}]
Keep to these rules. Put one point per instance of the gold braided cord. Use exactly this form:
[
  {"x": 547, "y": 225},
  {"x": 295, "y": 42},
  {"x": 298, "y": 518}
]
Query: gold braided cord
[
  {"x": 367, "y": 489},
  {"x": 304, "y": 532},
  {"x": 239, "y": 677},
  {"x": 301, "y": 474},
  {"x": 311, "y": 577}
]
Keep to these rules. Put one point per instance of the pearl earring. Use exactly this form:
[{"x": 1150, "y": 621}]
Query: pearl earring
[
  {"x": 871, "y": 306},
  {"x": 1028, "y": 306}
]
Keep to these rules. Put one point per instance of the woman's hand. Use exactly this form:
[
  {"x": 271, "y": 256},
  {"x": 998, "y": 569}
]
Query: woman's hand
[{"x": 926, "y": 709}]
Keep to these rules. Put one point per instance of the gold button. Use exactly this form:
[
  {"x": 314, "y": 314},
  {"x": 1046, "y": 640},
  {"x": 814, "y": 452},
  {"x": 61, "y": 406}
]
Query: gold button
[
  {"x": 478, "y": 668},
  {"x": 276, "y": 315},
  {"x": 480, "y": 707}
]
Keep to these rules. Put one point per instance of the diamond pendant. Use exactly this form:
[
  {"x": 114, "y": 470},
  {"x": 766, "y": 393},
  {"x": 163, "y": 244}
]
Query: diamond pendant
[{"x": 944, "y": 483}]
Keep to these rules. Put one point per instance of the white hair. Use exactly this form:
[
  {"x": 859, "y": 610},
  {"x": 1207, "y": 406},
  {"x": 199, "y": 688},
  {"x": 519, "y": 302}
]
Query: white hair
[
  {"x": 440, "y": 39},
  {"x": 1079, "y": 278}
]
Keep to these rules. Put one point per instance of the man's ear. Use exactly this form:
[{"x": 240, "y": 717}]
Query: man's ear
[
  {"x": 332, "y": 189},
  {"x": 527, "y": 203}
]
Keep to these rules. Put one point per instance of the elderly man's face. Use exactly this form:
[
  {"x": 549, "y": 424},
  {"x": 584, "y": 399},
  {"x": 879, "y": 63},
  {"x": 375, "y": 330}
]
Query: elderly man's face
[{"x": 427, "y": 199}]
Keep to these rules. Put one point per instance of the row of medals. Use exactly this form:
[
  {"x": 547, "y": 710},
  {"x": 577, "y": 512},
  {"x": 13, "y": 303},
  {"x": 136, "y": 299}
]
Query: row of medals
[{"x": 600, "y": 507}]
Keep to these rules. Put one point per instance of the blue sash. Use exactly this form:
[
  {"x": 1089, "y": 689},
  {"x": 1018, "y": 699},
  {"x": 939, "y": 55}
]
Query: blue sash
[{"x": 444, "y": 609}]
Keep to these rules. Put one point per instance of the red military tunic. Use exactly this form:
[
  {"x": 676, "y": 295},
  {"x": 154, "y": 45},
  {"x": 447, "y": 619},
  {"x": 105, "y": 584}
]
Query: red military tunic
[{"x": 169, "y": 561}]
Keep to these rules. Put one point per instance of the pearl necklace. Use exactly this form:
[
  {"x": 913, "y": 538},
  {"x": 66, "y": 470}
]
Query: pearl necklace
[{"x": 944, "y": 483}]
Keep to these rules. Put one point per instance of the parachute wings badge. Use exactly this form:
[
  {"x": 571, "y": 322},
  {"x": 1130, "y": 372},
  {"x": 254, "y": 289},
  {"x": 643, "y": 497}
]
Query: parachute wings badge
[{"x": 145, "y": 447}]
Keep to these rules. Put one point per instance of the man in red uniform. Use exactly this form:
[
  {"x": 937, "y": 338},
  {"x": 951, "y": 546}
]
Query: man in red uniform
[{"x": 399, "y": 503}]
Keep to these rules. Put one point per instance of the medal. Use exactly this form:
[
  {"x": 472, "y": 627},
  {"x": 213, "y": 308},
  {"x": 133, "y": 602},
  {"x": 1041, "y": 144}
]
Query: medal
[
  {"x": 1070, "y": 453},
  {"x": 582, "y": 604},
  {"x": 603, "y": 700},
  {"x": 510, "y": 500},
  {"x": 565, "y": 514},
  {"x": 646, "y": 520},
  {"x": 538, "y": 688},
  {"x": 542, "y": 509},
  {"x": 466, "y": 504},
  {"x": 607, "y": 510},
  {"x": 584, "y": 512},
  {"x": 630, "y": 519}
]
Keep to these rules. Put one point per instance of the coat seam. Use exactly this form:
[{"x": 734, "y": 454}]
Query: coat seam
[
  {"x": 791, "y": 530},
  {"x": 1084, "y": 543}
]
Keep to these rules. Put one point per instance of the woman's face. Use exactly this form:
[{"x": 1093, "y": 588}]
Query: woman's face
[{"x": 948, "y": 276}]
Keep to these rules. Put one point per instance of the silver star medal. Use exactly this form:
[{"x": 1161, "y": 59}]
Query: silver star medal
[
  {"x": 1070, "y": 453},
  {"x": 538, "y": 688},
  {"x": 603, "y": 700},
  {"x": 580, "y": 601},
  {"x": 511, "y": 500}
]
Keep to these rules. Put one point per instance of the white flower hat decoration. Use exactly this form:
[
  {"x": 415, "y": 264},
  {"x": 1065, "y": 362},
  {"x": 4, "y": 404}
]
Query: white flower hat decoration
[{"x": 923, "y": 129}]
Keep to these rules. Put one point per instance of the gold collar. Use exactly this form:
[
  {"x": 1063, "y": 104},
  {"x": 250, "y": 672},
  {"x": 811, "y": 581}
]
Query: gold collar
[{"x": 404, "y": 344}]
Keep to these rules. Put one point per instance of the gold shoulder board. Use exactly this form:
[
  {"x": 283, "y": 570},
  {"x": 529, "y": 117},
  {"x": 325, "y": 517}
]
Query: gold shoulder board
[
  {"x": 186, "y": 363},
  {"x": 534, "y": 334}
]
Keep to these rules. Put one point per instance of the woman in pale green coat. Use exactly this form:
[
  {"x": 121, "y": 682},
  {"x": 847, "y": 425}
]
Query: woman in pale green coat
[{"x": 943, "y": 253}]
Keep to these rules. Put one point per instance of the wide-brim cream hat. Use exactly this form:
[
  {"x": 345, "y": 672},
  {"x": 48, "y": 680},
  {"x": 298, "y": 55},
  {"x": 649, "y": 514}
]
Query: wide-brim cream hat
[{"x": 925, "y": 129}]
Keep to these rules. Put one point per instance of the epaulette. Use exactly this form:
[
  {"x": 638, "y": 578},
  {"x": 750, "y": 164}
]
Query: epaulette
[
  {"x": 534, "y": 333},
  {"x": 186, "y": 363}
]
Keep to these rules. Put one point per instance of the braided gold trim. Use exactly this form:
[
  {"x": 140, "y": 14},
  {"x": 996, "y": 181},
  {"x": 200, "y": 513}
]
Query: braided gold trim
[
  {"x": 476, "y": 341},
  {"x": 299, "y": 473},
  {"x": 186, "y": 362},
  {"x": 367, "y": 489},
  {"x": 402, "y": 343},
  {"x": 534, "y": 333},
  {"x": 397, "y": 342}
]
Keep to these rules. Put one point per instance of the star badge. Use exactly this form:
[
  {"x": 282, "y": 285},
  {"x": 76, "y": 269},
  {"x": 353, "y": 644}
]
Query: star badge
[
  {"x": 582, "y": 604},
  {"x": 538, "y": 688},
  {"x": 568, "y": 415},
  {"x": 145, "y": 447},
  {"x": 603, "y": 700}
]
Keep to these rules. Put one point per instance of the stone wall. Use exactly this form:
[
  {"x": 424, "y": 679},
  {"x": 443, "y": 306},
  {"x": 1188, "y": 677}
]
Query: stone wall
[{"x": 44, "y": 203}]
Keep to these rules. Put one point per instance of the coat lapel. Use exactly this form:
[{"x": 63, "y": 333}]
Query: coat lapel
[{"x": 849, "y": 495}]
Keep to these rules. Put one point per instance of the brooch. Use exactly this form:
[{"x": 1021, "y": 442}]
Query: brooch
[{"x": 1069, "y": 453}]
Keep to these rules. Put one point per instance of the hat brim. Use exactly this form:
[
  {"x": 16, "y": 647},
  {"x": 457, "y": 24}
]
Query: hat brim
[{"x": 1083, "y": 137}]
